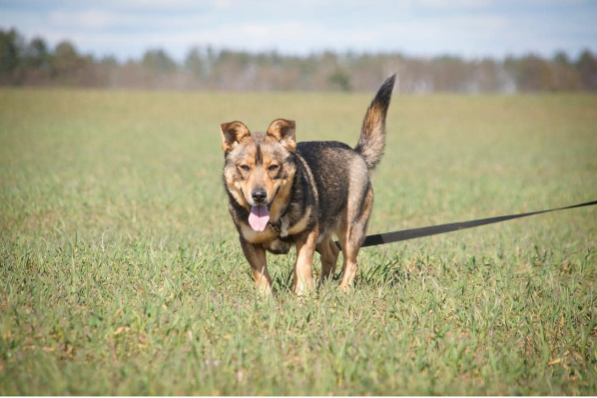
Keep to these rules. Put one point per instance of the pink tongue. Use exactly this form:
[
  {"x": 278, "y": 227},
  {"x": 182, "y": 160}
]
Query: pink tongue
[{"x": 258, "y": 218}]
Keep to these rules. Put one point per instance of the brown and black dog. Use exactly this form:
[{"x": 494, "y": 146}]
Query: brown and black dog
[{"x": 283, "y": 193}]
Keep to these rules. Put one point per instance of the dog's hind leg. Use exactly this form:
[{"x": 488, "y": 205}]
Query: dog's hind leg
[
  {"x": 352, "y": 237},
  {"x": 305, "y": 248},
  {"x": 329, "y": 256},
  {"x": 256, "y": 257}
]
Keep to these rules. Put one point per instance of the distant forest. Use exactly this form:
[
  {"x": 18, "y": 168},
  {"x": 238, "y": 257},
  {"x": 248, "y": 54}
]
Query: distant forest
[{"x": 34, "y": 63}]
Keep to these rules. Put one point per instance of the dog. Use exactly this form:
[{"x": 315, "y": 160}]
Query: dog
[{"x": 283, "y": 194}]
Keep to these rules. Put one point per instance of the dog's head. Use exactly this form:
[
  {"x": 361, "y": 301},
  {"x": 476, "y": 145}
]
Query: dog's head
[{"x": 259, "y": 168}]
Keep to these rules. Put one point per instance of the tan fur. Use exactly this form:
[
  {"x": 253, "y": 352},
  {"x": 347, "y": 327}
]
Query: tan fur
[
  {"x": 305, "y": 248},
  {"x": 232, "y": 134},
  {"x": 329, "y": 256},
  {"x": 256, "y": 257},
  {"x": 281, "y": 200},
  {"x": 351, "y": 238},
  {"x": 283, "y": 132},
  {"x": 256, "y": 177},
  {"x": 301, "y": 225},
  {"x": 257, "y": 237},
  {"x": 373, "y": 151}
]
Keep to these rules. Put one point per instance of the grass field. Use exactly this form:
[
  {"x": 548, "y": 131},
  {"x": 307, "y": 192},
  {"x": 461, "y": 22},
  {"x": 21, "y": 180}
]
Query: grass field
[{"x": 120, "y": 271}]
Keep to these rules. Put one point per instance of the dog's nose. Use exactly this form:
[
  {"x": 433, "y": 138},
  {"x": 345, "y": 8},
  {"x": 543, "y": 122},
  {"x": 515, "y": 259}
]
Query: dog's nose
[{"x": 259, "y": 195}]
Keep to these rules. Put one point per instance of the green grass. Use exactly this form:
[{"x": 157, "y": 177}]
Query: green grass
[{"x": 120, "y": 271}]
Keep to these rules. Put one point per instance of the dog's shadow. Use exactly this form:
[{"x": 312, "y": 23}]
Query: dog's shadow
[{"x": 377, "y": 271}]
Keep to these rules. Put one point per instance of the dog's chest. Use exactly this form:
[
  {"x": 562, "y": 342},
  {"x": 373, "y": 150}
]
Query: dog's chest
[
  {"x": 274, "y": 238},
  {"x": 277, "y": 246}
]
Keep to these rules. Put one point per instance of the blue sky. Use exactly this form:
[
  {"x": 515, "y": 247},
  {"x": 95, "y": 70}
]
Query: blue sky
[{"x": 470, "y": 28}]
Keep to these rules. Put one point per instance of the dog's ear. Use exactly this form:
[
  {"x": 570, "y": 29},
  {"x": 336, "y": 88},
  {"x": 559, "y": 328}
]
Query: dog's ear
[
  {"x": 283, "y": 131},
  {"x": 232, "y": 134}
]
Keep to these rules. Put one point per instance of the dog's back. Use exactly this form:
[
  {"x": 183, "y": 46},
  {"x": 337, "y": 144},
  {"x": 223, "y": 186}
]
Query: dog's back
[
  {"x": 341, "y": 173},
  {"x": 340, "y": 176}
]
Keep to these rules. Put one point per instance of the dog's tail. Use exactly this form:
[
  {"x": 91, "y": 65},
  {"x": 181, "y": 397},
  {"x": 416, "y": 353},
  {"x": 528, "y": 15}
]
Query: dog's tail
[{"x": 373, "y": 133}]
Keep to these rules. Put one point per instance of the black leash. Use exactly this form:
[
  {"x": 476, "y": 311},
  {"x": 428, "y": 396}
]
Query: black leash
[{"x": 397, "y": 236}]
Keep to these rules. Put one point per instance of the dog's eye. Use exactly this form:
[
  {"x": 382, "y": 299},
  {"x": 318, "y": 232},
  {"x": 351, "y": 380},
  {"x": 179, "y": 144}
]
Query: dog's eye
[
  {"x": 273, "y": 167},
  {"x": 245, "y": 167}
]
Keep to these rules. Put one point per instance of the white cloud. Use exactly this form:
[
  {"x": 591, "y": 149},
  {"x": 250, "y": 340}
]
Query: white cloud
[
  {"x": 426, "y": 27},
  {"x": 452, "y": 4},
  {"x": 222, "y": 4},
  {"x": 91, "y": 19},
  {"x": 164, "y": 4},
  {"x": 95, "y": 19}
]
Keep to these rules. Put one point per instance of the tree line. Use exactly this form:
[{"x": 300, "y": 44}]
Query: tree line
[{"x": 35, "y": 63}]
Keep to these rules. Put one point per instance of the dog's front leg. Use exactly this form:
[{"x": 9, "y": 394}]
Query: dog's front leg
[
  {"x": 305, "y": 247},
  {"x": 255, "y": 254}
]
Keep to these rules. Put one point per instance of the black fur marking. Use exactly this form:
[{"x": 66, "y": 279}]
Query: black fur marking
[
  {"x": 384, "y": 95},
  {"x": 258, "y": 156}
]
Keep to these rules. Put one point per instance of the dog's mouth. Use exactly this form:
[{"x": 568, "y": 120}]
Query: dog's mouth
[{"x": 259, "y": 217}]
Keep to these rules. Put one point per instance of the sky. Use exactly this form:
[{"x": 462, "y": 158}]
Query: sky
[{"x": 468, "y": 28}]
